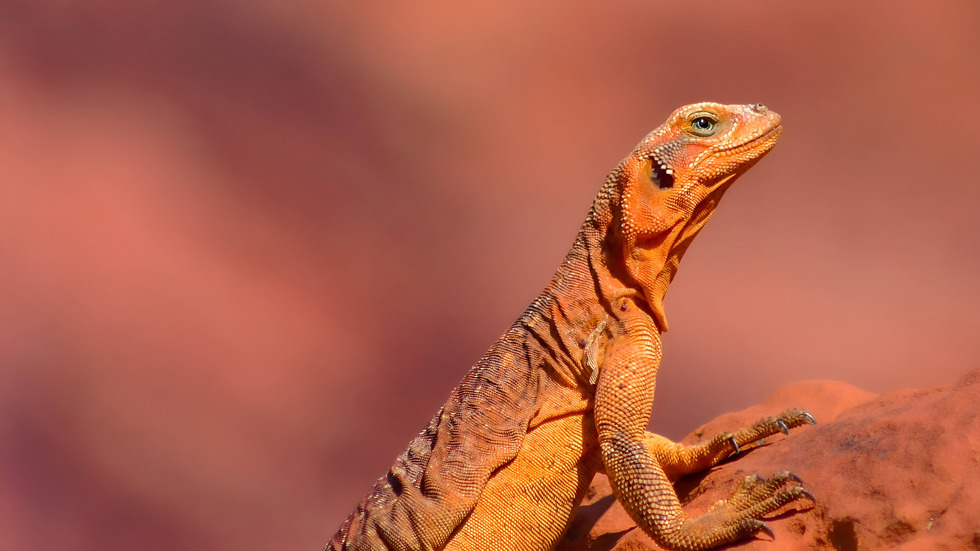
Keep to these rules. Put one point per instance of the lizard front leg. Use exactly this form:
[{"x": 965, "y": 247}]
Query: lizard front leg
[{"x": 635, "y": 463}]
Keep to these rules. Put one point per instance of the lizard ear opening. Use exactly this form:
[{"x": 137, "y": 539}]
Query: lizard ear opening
[{"x": 661, "y": 174}]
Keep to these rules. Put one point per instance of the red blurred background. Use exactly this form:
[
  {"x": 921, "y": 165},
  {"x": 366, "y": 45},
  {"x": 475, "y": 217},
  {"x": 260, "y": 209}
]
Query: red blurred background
[{"x": 247, "y": 248}]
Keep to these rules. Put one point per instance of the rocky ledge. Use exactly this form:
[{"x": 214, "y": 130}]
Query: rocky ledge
[{"x": 895, "y": 471}]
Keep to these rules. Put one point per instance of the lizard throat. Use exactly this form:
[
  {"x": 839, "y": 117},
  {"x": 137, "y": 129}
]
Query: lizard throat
[{"x": 675, "y": 242}]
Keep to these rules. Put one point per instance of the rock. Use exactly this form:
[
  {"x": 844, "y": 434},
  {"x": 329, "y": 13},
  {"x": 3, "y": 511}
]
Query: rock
[{"x": 891, "y": 471}]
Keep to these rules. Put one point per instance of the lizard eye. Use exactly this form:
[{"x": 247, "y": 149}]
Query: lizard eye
[{"x": 704, "y": 125}]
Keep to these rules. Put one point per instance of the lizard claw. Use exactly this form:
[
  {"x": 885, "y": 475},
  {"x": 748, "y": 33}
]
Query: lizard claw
[
  {"x": 734, "y": 445},
  {"x": 783, "y": 427},
  {"x": 809, "y": 418},
  {"x": 763, "y": 527}
]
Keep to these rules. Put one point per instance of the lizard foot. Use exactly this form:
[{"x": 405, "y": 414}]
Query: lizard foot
[
  {"x": 740, "y": 516},
  {"x": 767, "y": 426}
]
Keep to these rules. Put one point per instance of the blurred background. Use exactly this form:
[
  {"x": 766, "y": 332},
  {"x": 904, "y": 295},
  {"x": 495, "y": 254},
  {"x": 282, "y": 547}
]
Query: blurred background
[{"x": 247, "y": 248}]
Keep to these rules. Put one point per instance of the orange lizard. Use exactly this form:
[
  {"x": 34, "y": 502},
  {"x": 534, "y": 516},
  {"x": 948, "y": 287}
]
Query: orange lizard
[{"x": 567, "y": 390}]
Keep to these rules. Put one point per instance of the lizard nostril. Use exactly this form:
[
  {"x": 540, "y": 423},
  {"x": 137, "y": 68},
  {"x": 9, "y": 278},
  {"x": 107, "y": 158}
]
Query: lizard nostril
[{"x": 760, "y": 108}]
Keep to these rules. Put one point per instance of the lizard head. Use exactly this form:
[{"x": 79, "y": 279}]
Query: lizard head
[{"x": 671, "y": 183}]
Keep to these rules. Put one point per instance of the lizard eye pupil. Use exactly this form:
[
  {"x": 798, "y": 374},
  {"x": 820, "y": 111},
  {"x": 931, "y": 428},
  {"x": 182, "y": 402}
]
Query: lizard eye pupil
[{"x": 703, "y": 126}]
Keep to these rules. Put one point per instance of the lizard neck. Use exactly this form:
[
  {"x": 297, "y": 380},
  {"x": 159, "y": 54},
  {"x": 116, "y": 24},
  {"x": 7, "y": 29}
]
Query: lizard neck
[{"x": 640, "y": 266}]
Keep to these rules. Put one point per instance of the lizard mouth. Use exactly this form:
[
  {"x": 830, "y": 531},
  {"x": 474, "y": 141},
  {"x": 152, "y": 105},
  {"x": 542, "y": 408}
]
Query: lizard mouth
[{"x": 773, "y": 133}]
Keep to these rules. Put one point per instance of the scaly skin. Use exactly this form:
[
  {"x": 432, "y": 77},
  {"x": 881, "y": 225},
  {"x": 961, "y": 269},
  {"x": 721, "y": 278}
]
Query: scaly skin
[{"x": 567, "y": 391}]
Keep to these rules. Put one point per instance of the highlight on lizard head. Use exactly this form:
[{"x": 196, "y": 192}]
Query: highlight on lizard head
[{"x": 567, "y": 391}]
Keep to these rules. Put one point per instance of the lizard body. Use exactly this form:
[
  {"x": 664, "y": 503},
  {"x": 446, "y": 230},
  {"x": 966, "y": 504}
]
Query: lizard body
[{"x": 568, "y": 389}]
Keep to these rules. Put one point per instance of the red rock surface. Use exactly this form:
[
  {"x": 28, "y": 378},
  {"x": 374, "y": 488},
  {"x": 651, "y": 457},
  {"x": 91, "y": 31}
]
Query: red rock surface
[{"x": 892, "y": 471}]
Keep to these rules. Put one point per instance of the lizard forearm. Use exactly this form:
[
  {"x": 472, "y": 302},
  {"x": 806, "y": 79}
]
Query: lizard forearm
[{"x": 624, "y": 398}]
